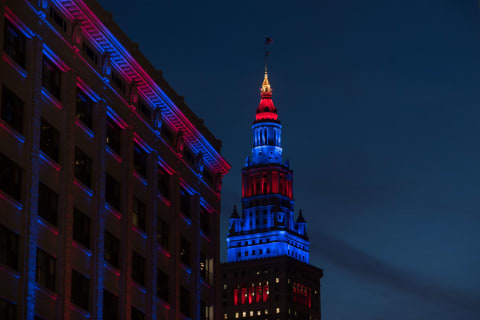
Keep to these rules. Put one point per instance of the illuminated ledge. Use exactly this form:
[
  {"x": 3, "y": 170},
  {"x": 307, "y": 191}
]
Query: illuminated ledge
[
  {"x": 113, "y": 154},
  {"x": 82, "y": 248},
  {"x": 47, "y": 225},
  {"x": 140, "y": 177},
  {"x": 142, "y": 233},
  {"x": 112, "y": 268},
  {"x": 205, "y": 283},
  {"x": 163, "y": 198},
  {"x": 204, "y": 236},
  {"x": 139, "y": 286},
  {"x": 83, "y": 187},
  {"x": 12, "y": 131},
  {"x": 164, "y": 251},
  {"x": 85, "y": 129},
  {"x": 49, "y": 293},
  {"x": 11, "y": 201},
  {"x": 47, "y": 160},
  {"x": 113, "y": 211},
  {"x": 78, "y": 309},
  {"x": 10, "y": 271},
  {"x": 51, "y": 99},
  {"x": 165, "y": 304},
  {"x": 186, "y": 219},
  {"x": 14, "y": 65},
  {"x": 186, "y": 268}
]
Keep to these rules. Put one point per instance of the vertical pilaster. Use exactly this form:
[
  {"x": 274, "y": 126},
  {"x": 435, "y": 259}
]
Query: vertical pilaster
[
  {"x": 175, "y": 247},
  {"x": 195, "y": 231},
  {"x": 152, "y": 252},
  {"x": 31, "y": 178}
]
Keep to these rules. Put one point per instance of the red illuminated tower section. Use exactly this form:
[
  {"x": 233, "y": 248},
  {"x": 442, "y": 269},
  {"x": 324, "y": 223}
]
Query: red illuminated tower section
[{"x": 268, "y": 275}]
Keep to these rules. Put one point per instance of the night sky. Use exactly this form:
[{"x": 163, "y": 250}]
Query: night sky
[{"x": 380, "y": 106}]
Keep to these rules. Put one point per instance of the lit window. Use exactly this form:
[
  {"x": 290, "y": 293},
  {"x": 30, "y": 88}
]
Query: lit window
[
  {"x": 244, "y": 314},
  {"x": 277, "y": 280},
  {"x": 266, "y": 311},
  {"x": 278, "y": 310},
  {"x": 259, "y": 312},
  {"x": 251, "y": 313},
  {"x": 236, "y": 315},
  {"x": 12, "y": 110},
  {"x": 14, "y": 44},
  {"x": 225, "y": 316}
]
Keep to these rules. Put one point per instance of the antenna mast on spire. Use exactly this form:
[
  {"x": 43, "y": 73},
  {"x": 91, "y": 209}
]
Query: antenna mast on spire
[{"x": 268, "y": 41}]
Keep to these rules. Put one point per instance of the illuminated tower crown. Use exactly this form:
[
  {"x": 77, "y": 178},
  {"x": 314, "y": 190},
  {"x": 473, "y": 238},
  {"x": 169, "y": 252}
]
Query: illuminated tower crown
[{"x": 267, "y": 226}]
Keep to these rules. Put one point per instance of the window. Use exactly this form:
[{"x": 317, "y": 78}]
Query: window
[
  {"x": 51, "y": 78},
  {"x": 163, "y": 182},
  {"x": 162, "y": 233},
  {"x": 138, "y": 214},
  {"x": 8, "y": 310},
  {"x": 145, "y": 110},
  {"x": 83, "y": 167},
  {"x": 208, "y": 177},
  {"x": 12, "y": 110},
  {"x": 162, "y": 285},
  {"x": 184, "y": 202},
  {"x": 45, "y": 273},
  {"x": 137, "y": 314},
  {"x": 80, "y": 290},
  {"x": 204, "y": 220},
  {"x": 14, "y": 44},
  {"x": 204, "y": 311},
  {"x": 8, "y": 247},
  {"x": 112, "y": 245},
  {"x": 110, "y": 306},
  {"x": 112, "y": 191},
  {"x": 140, "y": 159},
  {"x": 167, "y": 134},
  {"x": 57, "y": 18},
  {"x": 114, "y": 134},
  {"x": 90, "y": 52},
  {"x": 205, "y": 268},
  {"x": 138, "y": 268},
  {"x": 84, "y": 109},
  {"x": 10, "y": 177},
  {"x": 81, "y": 228},
  {"x": 47, "y": 204},
  {"x": 118, "y": 82},
  {"x": 184, "y": 301},
  {"x": 49, "y": 140},
  {"x": 185, "y": 251},
  {"x": 189, "y": 156}
]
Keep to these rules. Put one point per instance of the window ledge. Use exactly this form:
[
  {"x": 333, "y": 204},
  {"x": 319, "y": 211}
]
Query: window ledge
[
  {"x": 163, "y": 198},
  {"x": 82, "y": 248},
  {"x": 186, "y": 219},
  {"x": 113, "y": 211},
  {"x": 22, "y": 72},
  {"x": 114, "y": 155},
  {"x": 51, "y": 99},
  {"x": 186, "y": 268},
  {"x": 10, "y": 200},
  {"x": 49, "y": 161},
  {"x": 5, "y": 126},
  {"x": 164, "y": 251},
  {"x": 9, "y": 270},
  {"x": 47, "y": 225},
  {"x": 46, "y": 291},
  {"x": 142, "y": 233},
  {"x": 205, "y": 283},
  {"x": 83, "y": 187},
  {"x": 140, "y": 178},
  {"x": 79, "y": 309},
  {"x": 205, "y": 236},
  {"x": 163, "y": 302},
  {"x": 85, "y": 129},
  {"x": 112, "y": 268},
  {"x": 139, "y": 286}
]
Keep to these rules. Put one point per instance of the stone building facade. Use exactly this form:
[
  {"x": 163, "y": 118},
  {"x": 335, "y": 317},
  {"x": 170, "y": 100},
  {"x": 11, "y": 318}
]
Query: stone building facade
[{"x": 109, "y": 184}]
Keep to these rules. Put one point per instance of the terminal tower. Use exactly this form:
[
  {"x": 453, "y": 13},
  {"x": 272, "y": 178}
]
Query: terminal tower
[{"x": 267, "y": 274}]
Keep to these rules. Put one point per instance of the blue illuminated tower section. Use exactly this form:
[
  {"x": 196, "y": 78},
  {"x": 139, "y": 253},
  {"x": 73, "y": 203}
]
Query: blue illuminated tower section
[{"x": 267, "y": 226}]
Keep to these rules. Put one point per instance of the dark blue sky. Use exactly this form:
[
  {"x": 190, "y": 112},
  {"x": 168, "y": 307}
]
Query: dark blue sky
[{"x": 380, "y": 103}]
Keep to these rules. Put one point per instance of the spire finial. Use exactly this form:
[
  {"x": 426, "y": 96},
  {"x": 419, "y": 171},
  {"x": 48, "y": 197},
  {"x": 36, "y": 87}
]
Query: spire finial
[{"x": 268, "y": 41}]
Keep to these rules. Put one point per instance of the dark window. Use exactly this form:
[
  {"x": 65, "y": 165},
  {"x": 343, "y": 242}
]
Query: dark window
[
  {"x": 138, "y": 214},
  {"x": 112, "y": 245},
  {"x": 80, "y": 289},
  {"x": 162, "y": 285},
  {"x": 8, "y": 247},
  {"x": 138, "y": 268},
  {"x": 137, "y": 314},
  {"x": 58, "y": 19},
  {"x": 189, "y": 156},
  {"x": 49, "y": 140},
  {"x": 118, "y": 82},
  {"x": 184, "y": 202},
  {"x": 90, "y": 52},
  {"x": 47, "y": 204},
  {"x": 185, "y": 251},
  {"x": 14, "y": 44},
  {"x": 204, "y": 314},
  {"x": 163, "y": 233},
  {"x": 205, "y": 220},
  {"x": 184, "y": 301},
  {"x": 12, "y": 110},
  {"x": 145, "y": 110},
  {"x": 8, "y": 310},
  {"x": 10, "y": 177},
  {"x": 114, "y": 134},
  {"x": 45, "y": 274},
  {"x": 208, "y": 177},
  {"x": 51, "y": 78},
  {"x": 167, "y": 133},
  {"x": 163, "y": 182},
  {"x": 110, "y": 306},
  {"x": 84, "y": 109},
  {"x": 83, "y": 167},
  {"x": 81, "y": 228},
  {"x": 112, "y": 191},
  {"x": 140, "y": 159}
]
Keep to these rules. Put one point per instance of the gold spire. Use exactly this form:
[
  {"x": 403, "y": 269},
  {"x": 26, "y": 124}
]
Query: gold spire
[{"x": 266, "y": 85}]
